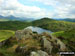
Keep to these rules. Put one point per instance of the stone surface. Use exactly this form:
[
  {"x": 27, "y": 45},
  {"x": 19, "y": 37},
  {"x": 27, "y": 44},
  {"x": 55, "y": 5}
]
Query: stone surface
[
  {"x": 62, "y": 45},
  {"x": 25, "y": 33},
  {"x": 39, "y": 53},
  {"x": 46, "y": 44}
]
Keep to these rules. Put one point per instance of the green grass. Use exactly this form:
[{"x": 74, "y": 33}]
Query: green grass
[
  {"x": 68, "y": 34},
  {"x": 3, "y": 19},
  {"x": 5, "y": 34},
  {"x": 45, "y": 23},
  {"x": 13, "y": 25},
  {"x": 54, "y": 25},
  {"x": 7, "y": 51},
  {"x": 68, "y": 38}
]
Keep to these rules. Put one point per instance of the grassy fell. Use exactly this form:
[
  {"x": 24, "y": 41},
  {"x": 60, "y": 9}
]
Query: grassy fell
[
  {"x": 68, "y": 37},
  {"x": 5, "y": 34}
]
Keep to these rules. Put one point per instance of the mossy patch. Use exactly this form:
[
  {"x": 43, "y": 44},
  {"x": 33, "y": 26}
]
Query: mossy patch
[{"x": 5, "y": 34}]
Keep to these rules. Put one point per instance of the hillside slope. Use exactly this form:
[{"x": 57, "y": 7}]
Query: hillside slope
[
  {"x": 46, "y": 23},
  {"x": 13, "y": 25},
  {"x": 54, "y": 25},
  {"x": 5, "y": 34},
  {"x": 68, "y": 37},
  {"x": 68, "y": 19}
]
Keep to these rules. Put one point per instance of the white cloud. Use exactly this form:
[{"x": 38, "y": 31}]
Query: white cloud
[
  {"x": 10, "y": 7},
  {"x": 62, "y": 9}
]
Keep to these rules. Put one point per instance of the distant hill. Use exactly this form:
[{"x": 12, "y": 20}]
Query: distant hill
[
  {"x": 13, "y": 18},
  {"x": 54, "y": 25},
  {"x": 4, "y": 20},
  {"x": 13, "y": 25},
  {"x": 46, "y": 23},
  {"x": 68, "y": 19}
]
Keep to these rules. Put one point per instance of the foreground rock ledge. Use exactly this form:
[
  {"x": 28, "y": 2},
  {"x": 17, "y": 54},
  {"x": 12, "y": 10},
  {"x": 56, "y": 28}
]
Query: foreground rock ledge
[
  {"x": 34, "y": 44},
  {"x": 29, "y": 43}
]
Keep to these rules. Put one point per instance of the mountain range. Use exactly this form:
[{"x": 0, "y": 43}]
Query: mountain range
[
  {"x": 13, "y": 18},
  {"x": 67, "y": 19}
]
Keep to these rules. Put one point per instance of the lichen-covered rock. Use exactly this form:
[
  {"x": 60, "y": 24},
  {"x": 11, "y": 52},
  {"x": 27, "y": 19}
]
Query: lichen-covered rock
[
  {"x": 34, "y": 44},
  {"x": 34, "y": 54},
  {"x": 28, "y": 46},
  {"x": 8, "y": 42},
  {"x": 26, "y": 33},
  {"x": 38, "y": 53},
  {"x": 2, "y": 43},
  {"x": 46, "y": 44},
  {"x": 47, "y": 34},
  {"x": 19, "y": 34},
  {"x": 42, "y": 53},
  {"x": 61, "y": 45}
]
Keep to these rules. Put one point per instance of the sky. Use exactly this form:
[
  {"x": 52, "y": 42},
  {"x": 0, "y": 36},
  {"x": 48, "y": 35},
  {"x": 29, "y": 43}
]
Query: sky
[{"x": 38, "y": 8}]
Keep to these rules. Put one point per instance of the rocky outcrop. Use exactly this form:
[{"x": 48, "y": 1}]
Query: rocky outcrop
[
  {"x": 26, "y": 33},
  {"x": 47, "y": 34},
  {"x": 61, "y": 45},
  {"x": 46, "y": 44},
  {"x": 5, "y": 42},
  {"x": 34, "y": 44},
  {"x": 2, "y": 43},
  {"x": 19, "y": 34},
  {"x": 34, "y": 54},
  {"x": 8, "y": 42},
  {"x": 38, "y": 53}
]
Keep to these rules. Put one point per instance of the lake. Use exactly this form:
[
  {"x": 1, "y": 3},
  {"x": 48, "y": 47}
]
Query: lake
[{"x": 38, "y": 29}]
